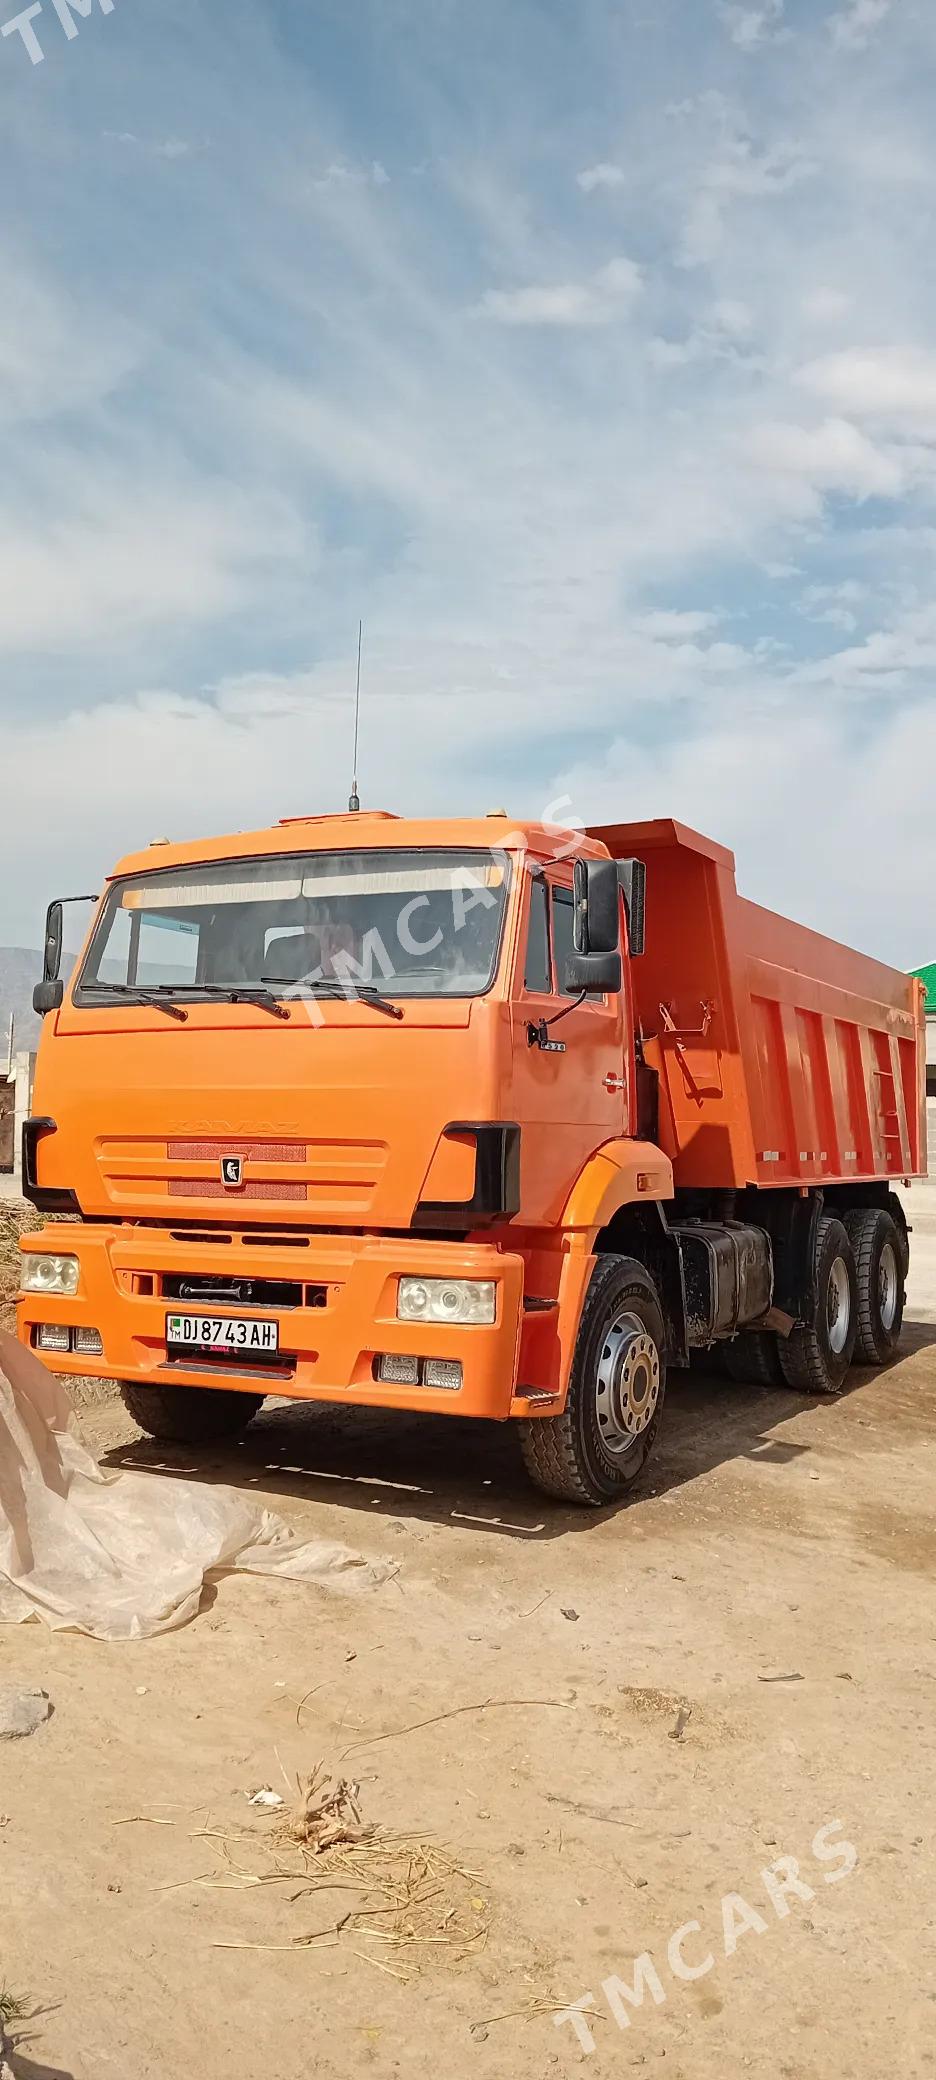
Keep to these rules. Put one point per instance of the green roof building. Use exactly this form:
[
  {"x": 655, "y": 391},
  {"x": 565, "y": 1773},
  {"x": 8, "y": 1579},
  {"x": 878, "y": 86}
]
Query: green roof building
[{"x": 927, "y": 976}]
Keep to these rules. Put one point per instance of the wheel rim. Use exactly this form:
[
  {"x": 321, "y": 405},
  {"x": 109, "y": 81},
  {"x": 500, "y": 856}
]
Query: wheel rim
[
  {"x": 838, "y": 1306},
  {"x": 888, "y": 1286},
  {"x": 628, "y": 1384}
]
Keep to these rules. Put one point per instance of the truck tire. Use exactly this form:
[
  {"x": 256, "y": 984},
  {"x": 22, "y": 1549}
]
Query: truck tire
[
  {"x": 880, "y": 1256},
  {"x": 815, "y": 1361},
  {"x": 753, "y": 1359},
  {"x": 595, "y": 1450},
  {"x": 189, "y": 1415}
]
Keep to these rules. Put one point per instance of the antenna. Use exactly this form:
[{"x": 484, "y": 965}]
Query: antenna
[{"x": 354, "y": 802}]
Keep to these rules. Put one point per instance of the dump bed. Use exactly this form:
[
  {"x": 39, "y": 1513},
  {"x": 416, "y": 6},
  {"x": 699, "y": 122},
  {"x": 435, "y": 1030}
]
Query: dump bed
[{"x": 783, "y": 1057}]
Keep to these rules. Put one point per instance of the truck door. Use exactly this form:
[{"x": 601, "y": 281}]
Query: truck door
[{"x": 570, "y": 1084}]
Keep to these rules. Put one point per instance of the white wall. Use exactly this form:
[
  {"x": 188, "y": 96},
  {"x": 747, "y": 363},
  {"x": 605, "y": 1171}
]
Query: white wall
[
  {"x": 931, "y": 1134},
  {"x": 11, "y": 1185}
]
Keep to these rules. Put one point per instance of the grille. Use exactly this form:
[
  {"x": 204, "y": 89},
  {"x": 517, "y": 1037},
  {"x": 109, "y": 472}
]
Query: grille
[
  {"x": 281, "y": 1240},
  {"x": 233, "y": 1292},
  {"x": 336, "y": 1178},
  {"x": 212, "y": 1188},
  {"x": 195, "y": 1235},
  {"x": 255, "y": 1151}
]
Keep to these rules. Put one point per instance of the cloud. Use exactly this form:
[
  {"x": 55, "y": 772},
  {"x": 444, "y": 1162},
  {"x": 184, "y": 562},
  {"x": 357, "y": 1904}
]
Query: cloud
[
  {"x": 813, "y": 771},
  {"x": 339, "y": 174},
  {"x": 896, "y": 384},
  {"x": 160, "y": 148},
  {"x": 826, "y": 306},
  {"x": 123, "y": 557},
  {"x": 738, "y": 172},
  {"x": 676, "y": 626},
  {"x": 725, "y": 330},
  {"x": 601, "y": 176},
  {"x": 833, "y": 606},
  {"x": 676, "y": 353},
  {"x": 58, "y": 352},
  {"x": 750, "y": 26},
  {"x": 613, "y": 508},
  {"x": 597, "y": 301},
  {"x": 832, "y": 457},
  {"x": 733, "y": 318},
  {"x": 888, "y": 660},
  {"x": 853, "y": 28}
]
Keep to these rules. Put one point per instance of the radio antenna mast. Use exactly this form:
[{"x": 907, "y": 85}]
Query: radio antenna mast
[{"x": 354, "y": 802}]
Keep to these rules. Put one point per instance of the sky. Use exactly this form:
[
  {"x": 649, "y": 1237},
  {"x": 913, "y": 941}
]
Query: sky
[{"x": 585, "y": 348}]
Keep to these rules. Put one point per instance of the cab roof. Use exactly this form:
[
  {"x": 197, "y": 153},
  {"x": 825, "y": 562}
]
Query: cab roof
[{"x": 367, "y": 830}]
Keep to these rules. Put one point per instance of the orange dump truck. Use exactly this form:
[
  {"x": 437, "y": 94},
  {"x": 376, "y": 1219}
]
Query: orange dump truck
[{"x": 466, "y": 1117}]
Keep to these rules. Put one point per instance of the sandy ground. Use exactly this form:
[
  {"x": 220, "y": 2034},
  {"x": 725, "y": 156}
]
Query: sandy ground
[{"x": 776, "y": 1538}]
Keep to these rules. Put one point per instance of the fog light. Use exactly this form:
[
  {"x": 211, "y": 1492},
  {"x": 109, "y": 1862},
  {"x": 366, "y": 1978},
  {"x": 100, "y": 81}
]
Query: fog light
[
  {"x": 443, "y": 1373},
  {"x": 447, "y": 1300},
  {"x": 48, "y": 1274},
  {"x": 88, "y": 1343},
  {"x": 51, "y": 1337},
  {"x": 397, "y": 1372}
]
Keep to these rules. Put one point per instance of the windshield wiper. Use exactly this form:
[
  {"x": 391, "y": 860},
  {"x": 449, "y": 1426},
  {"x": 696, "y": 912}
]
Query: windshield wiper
[
  {"x": 152, "y": 998},
  {"x": 235, "y": 993},
  {"x": 356, "y": 993},
  {"x": 162, "y": 995}
]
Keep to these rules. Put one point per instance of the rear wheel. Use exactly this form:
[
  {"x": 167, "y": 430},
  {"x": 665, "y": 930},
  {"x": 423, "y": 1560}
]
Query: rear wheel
[
  {"x": 189, "y": 1415},
  {"x": 753, "y": 1359},
  {"x": 815, "y": 1361},
  {"x": 879, "y": 1260},
  {"x": 596, "y": 1449}
]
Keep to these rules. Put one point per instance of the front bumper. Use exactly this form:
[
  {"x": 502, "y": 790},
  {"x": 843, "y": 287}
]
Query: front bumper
[{"x": 327, "y": 1350}]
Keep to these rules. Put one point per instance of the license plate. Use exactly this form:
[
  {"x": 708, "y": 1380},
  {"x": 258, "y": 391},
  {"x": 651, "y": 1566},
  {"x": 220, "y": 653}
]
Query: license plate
[{"x": 214, "y": 1332}]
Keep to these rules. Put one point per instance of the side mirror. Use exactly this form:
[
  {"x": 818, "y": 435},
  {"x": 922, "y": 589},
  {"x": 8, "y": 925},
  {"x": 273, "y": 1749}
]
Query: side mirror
[
  {"x": 50, "y": 992},
  {"x": 593, "y": 974},
  {"x": 54, "y": 935},
  {"x": 632, "y": 875},
  {"x": 597, "y": 907},
  {"x": 48, "y": 996}
]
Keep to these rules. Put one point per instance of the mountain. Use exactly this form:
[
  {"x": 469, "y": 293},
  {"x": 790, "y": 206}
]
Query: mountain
[{"x": 20, "y": 970}]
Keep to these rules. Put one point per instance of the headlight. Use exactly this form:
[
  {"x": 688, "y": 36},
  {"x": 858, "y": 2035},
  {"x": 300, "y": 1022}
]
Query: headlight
[
  {"x": 446, "y": 1300},
  {"x": 54, "y": 1275}
]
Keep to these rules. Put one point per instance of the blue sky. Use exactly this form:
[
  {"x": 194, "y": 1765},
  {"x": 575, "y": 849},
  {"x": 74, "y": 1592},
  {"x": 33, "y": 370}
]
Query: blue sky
[{"x": 587, "y": 349}]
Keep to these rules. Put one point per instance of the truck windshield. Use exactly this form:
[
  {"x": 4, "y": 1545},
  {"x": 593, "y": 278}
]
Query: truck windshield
[{"x": 409, "y": 924}]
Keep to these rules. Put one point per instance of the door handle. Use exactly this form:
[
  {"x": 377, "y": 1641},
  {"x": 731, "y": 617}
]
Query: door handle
[{"x": 612, "y": 1082}]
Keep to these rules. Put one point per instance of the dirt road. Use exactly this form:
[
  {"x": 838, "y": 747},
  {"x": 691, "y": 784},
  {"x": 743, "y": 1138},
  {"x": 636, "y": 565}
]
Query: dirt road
[{"x": 770, "y": 1599}]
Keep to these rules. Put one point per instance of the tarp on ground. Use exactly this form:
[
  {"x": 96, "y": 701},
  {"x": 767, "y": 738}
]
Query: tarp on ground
[{"x": 122, "y": 1555}]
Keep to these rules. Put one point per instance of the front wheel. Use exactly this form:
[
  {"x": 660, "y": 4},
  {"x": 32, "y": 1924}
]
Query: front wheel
[
  {"x": 189, "y": 1415},
  {"x": 595, "y": 1450}
]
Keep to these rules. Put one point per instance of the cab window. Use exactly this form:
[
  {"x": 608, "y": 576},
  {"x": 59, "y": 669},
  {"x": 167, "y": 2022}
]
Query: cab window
[
  {"x": 536, "y": 977},
  {"x": 550, "y": 939},
  {"x": 562, "y": 936}
]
